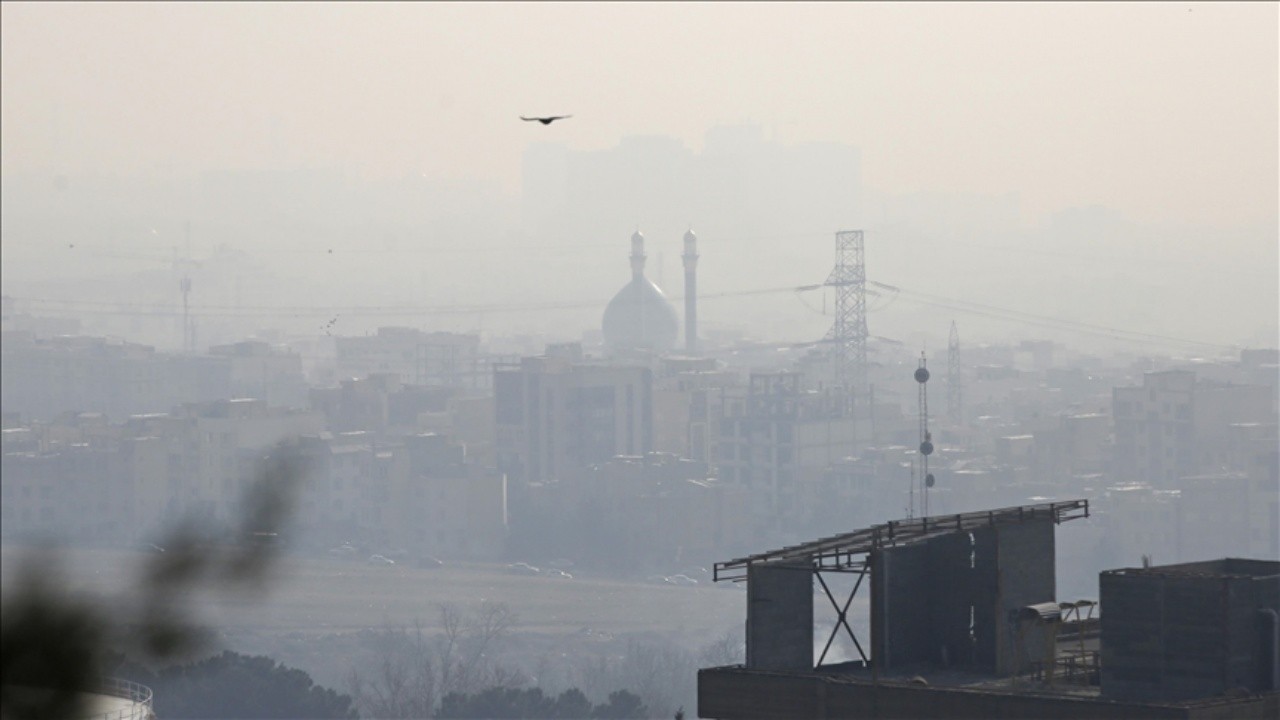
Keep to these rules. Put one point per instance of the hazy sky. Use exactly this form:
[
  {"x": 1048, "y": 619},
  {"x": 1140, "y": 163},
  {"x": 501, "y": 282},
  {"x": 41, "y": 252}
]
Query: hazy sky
[{"x": 1166, "y": 111}]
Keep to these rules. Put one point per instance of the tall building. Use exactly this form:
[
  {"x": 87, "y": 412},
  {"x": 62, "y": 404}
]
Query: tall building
[
  {"x": 775, "y": 436},
  {"x": 446, "y": 505},
  {"x": 687, "y": 406},
  {"x": 1176, "y": 426},
  {"x": 417, "y": 357},
  {"x": 259, "y": 370},
  {"x": 554, "y": 416},
  {"x": 1154, "y": 429},
  {"x": 41, "y": 379}
]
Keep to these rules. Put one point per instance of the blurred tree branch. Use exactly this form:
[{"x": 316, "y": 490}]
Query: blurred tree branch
[{"x": 53, "y": 647}]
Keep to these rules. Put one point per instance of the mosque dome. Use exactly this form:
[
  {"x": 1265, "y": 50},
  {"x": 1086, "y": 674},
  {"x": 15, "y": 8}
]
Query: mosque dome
[{"x": 639, "y": 316}]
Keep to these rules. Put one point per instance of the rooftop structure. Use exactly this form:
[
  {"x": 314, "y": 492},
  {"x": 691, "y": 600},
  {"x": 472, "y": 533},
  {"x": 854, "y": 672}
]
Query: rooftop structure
[
  {"x": 964, "y": 623},
  {"x": 1177, "y": 632},
  {"x": 940, "y": 588}
]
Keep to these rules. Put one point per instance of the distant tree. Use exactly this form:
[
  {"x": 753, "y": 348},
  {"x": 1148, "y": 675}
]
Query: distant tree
[
  {"x": 496, "y": 703},
  {"x": 622, "y": 705},
  {"x": 232, "y": 685},
  {"x": 412, "y": 671},
  {"x": 661, "y": 673},
  {"x": 531, "y": 704},
  {"x": 728, "y": 649},
  {"x": 572, "y": 704},
  {"x": 401, "y": 682}
]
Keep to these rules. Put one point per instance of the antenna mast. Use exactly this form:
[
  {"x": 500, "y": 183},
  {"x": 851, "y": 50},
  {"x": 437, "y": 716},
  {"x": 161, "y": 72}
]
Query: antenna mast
[{"x": 926, "y": 440}]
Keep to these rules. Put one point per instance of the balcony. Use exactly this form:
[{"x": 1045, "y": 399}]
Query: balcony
[{"x": 118, "y": 699}]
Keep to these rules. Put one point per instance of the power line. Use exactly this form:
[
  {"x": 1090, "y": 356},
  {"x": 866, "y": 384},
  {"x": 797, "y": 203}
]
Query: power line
[
  {"x": 103, "y": 307},
  {"x": 108, "y": 308},
  {"x": 998, "y": 313}
]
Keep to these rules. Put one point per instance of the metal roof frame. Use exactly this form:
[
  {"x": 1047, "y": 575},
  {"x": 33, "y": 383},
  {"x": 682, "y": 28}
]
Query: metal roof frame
[{"x": 846, "y": 552}]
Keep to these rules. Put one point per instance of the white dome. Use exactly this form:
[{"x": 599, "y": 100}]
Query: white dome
[{"x": 639, "y": 317}]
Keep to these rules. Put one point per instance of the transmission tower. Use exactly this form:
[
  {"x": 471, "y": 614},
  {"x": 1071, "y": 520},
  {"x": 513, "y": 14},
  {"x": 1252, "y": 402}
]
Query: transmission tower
[
  {"x": 848, "y": 332},
  {"x": 955, "y": 385}
]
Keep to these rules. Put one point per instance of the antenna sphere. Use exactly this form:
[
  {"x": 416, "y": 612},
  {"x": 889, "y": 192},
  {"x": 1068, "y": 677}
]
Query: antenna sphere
[
  {"x": 922, "y": 375},
  {"x": 926, "y": 448}
]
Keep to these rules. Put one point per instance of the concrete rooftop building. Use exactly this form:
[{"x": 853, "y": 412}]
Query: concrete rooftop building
[{"x": 965, "y": 623}]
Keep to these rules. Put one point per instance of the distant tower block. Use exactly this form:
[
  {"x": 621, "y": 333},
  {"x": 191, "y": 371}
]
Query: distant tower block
[
  {"x": 690, "y": 292},
  {"x": 955, "y": 384},
  {"x": 848, "y": 333}
]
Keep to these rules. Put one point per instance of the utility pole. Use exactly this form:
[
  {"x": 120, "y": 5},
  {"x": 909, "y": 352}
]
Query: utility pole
[
  {"x": 955, "y": 384},
  {"x": 926, "y": 440}
]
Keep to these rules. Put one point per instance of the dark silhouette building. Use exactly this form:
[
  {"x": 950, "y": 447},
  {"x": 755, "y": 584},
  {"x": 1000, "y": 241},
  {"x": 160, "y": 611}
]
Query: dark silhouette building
[{"x": 964, "y": 623}]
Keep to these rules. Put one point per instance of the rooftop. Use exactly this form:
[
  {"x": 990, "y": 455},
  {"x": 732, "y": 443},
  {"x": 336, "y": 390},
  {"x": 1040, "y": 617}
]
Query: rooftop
[{"x": 838, "y": 551}]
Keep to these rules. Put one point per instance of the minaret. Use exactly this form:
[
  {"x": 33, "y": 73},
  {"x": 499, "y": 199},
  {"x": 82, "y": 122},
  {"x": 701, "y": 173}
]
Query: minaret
[
  {"x": 637, "y": 255},
  {"x": 690, "y": 293}
]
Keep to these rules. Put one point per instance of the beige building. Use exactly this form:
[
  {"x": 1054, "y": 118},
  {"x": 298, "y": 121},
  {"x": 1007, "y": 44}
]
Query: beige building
[
  {"x": 1220, "y": 406},
  {"x": 446, "y": 506},
  {"x": 1213, "y": 516},
  {"x": 1155, "y": 429},
  {"x": 660, "y": 511},
  {"x": 260, "y": 370},
  {"x": 417, "y": 357},
  {"x": 1174, "y": 426},
  {"x": 554, "y": 416},
  {"x": 418, "y": 494},
  {"x": 1255, "y": 452},
  {"x": 688, "y": 406},
  {"x": 41, "y": 379},
  {"x": 213, "y": 448},
  {"x": 775, "y": 437},
  {"x": 100, "y": 491},
  {"x": 1138, "y": 520}
]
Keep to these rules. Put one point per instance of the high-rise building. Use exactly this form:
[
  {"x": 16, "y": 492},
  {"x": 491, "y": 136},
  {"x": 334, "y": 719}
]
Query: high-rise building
[
  {"x": 554, "y": 416},
  {"x": 1175, "y": 426},
  {"x": 776, "y": 436},
  {"x": 1154, "y": 429},
  {"x": 417, "y": 357}
]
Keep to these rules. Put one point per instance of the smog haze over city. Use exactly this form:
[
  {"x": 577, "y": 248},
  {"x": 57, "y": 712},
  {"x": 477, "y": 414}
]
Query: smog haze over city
[{"x": 539, "y": 382}]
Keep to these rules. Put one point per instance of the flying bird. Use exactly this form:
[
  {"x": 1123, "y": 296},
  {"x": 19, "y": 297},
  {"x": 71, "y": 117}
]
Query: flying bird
[{"x": 545, "y": 120}]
